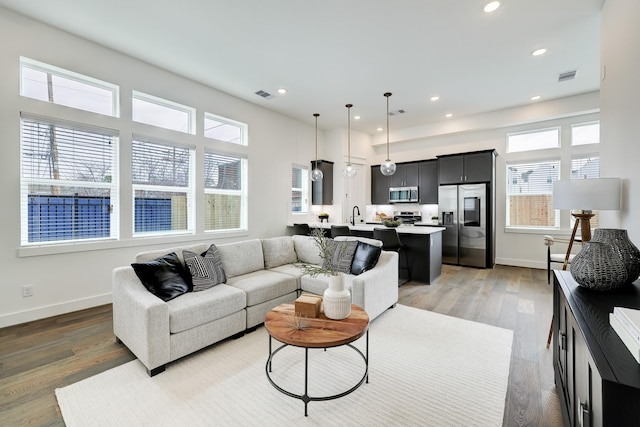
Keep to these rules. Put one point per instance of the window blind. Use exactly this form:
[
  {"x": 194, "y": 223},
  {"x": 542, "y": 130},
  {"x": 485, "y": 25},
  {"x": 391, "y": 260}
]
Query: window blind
[
  {"x": 68, "y": 182},
  {"x": 225, "y": 192},
  {"x": 530, "y": 194}
]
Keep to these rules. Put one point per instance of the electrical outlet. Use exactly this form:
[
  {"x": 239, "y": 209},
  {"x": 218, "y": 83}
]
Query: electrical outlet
[{"x": 27, "y": 290}]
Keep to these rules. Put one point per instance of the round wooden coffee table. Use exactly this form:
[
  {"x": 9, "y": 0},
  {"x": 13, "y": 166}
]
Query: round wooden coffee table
[{"x": 321, "y": 332}]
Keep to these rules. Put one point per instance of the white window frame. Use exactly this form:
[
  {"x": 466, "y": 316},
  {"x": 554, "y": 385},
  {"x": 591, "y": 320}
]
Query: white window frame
[
  {"x": 165, "y": 103},
  {"x": 243, "y": 127},
  {"x": 558, "y": 129},
  {"x": 304, "y": 190},
  {"x": 70, "y": 75},
  {"x": 509, "y": 227},
  {"x": 112, "y": 185},
  {"x": 189, "y": 190},
  {"x": 578, "y": 125}
]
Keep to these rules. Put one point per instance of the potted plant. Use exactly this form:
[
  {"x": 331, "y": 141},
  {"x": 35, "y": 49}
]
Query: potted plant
[
  {"x": 336, "y": 299},
  {"x": 322, "y": 216}
]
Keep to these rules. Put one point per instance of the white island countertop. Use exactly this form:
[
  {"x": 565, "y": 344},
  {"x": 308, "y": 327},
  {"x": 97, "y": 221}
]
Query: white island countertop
[{"x": 402, "y": 229}]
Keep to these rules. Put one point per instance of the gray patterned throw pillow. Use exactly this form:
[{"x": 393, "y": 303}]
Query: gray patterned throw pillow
[
  {"x": 341, "y": 255},
  {"x": 206, "y": 269}
]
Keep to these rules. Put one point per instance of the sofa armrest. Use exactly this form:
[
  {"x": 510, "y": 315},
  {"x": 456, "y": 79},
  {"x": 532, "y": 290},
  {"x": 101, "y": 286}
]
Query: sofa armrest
[
  {"x": 140, "y": 319},
  {"x": 377, "y": 289}
]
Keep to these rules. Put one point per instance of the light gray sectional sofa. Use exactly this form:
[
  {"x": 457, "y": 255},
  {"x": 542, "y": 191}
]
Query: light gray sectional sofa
[{"x": 260, "y": 274}]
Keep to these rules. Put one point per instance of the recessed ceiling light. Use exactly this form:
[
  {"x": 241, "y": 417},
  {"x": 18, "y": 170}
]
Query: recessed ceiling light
[
  {"x": 539, "y": 52},
  {"x": 379, "y": 129},
  {"x": 448, "y": 115},
  {"x": 434, "y": 98},
  {"x": 282, "y": 91},
  {"x": 535, "y": 97},
  {"x": 356, "y": 117},
  {"x": 491, "y": 6}
]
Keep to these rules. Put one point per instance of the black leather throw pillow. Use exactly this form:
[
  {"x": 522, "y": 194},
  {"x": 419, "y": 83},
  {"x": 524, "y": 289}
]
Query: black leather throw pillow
[
  {"x": 165, "y": 277},
  {"x": 365, "y": 258}
]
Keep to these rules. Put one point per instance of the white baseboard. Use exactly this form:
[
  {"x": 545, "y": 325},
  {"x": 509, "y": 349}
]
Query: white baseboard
[
  {"x": 522, "y": 263},
  {"x": 53, "y": 310}
]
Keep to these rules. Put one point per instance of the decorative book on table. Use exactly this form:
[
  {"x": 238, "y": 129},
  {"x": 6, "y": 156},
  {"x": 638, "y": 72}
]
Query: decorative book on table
[
  {"x": 630, "y": 319},
  {"x": 629, "y": 341}
]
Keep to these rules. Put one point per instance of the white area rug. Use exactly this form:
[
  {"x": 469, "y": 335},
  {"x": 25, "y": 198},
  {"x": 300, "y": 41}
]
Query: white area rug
[{"x": 425, "y": 369}]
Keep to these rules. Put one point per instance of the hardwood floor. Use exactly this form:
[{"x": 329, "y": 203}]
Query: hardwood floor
[{"x": 38, "y": 357}]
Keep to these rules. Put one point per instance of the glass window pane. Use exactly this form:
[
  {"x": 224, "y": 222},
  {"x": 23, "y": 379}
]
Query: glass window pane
[
  {"x": 63, "y": 87},
  {"x": 536, "y": 140},
  {"x": 585, "y": 133},
  {"x": 162, "y": 113},
  {"x": 299, "y": 189},
  {"x": 160, "y": 211},
  {"x": 67, "y": 188},
  {"x": 530, "y": 194},
  {"x": 225, "y": 192},
  {"x": 223, "y": 129},
  {"x": 159, "y": 164}
]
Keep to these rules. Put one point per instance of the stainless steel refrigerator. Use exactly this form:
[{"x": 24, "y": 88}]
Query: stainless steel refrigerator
[{"x": 465, "y": 212}]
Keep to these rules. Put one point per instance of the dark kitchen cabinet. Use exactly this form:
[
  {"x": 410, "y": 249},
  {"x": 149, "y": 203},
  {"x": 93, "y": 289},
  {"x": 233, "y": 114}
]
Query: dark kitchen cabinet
[
  {"x": 428, "y": 182},
  {"x": 379, "y": 187},
  {"x": 407, "y": 175},
  {"x": 467, "y": 167},
  {"x": 597, "y": 378},
  {"x": 322, "y": 190}
]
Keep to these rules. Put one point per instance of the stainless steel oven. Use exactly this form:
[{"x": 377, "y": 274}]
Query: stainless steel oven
[{"x": 403, "y": 195}]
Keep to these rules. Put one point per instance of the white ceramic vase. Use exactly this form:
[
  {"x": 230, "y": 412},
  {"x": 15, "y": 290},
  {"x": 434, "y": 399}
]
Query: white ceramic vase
[{"x": 336, "y": 299}]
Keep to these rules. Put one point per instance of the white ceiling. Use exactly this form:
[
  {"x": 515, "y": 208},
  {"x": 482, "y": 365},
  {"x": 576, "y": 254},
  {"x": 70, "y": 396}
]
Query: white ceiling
[{"x": 332, "y": 52}]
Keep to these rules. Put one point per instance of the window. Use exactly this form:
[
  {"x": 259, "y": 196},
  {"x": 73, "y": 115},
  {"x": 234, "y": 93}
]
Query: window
[
  {"x": 162, "y": 113},
  {"x": 533, "y": 140},
  {"x": 68, "y": 182},
  {"x": 162, "y": 176},
  {"x": 62, "y": 87},
  {"x": 585, "y": 133},
  {"x": 225, "y": 189},
  {"x": 221, "y": 129},
  {"x": 530, "y": 194},
  {"x": 299, "y": 189}
]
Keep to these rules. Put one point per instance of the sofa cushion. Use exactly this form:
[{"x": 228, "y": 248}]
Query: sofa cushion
[
  {"x": 195, "y": 309},
  {"x": 365, "y": 258},
  {"x": 306, "y": 250},
  {"x": 341, "y": 255},
  {"x": 264, "y": 285},
  {"x": 206, "y": 269},
  {"x": 278, "y": 251},
  {"x": 164, "y": 277},
  {"x": 241, "y": 257}
]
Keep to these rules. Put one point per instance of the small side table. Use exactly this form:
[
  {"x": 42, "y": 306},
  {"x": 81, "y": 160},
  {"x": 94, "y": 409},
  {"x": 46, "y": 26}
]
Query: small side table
[{"x": 322, "y": 333}]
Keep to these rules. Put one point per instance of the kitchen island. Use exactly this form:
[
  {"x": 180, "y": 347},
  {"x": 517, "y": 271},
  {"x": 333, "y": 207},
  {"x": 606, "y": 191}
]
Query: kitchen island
[{"x": 423, "y": 246}]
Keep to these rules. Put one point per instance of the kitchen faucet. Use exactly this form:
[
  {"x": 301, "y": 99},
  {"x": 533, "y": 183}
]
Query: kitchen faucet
[{"x": 353, "y": 215}]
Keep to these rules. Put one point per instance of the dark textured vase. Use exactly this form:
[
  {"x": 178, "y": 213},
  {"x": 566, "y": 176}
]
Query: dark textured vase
[
  {"x": 619, "y": 239},
  {"x": 599, "y": 266}
]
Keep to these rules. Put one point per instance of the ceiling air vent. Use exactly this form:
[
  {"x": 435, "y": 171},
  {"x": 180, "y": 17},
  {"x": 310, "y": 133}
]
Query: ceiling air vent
[
  {"x": 567, "y": 75},
  {"x": 396, "y": 112},
  {"x": 265, "y": 95}
]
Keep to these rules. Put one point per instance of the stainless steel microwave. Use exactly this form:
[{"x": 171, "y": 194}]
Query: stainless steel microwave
[{"x": 403, "y": 195}]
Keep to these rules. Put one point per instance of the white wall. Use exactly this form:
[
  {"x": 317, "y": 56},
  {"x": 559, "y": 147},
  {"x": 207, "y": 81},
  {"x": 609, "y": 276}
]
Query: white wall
[
  {"x": 80, "y": 276},
  {"x": 620, "y": 101}
]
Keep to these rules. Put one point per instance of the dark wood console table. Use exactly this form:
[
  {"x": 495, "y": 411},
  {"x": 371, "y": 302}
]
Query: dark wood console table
[{"x": 597, "y": 378}]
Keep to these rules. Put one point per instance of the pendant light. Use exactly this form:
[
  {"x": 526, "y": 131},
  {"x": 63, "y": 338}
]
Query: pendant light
[
  {"x": 349, "y": 171},
  {"x": 316, "y": 173},
  {"x": 388, "y": 167}
]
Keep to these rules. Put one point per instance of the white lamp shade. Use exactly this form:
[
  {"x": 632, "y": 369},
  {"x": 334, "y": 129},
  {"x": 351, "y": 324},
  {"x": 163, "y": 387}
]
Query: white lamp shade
[{"x": 587, "y": 194}]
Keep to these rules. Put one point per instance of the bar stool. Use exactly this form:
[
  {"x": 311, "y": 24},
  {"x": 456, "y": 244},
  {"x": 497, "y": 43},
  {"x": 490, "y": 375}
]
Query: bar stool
[
  {"x": 301, "y": 229},
  {"x": 340, "y": 230},
  {"x": 391, "y": 242}
]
